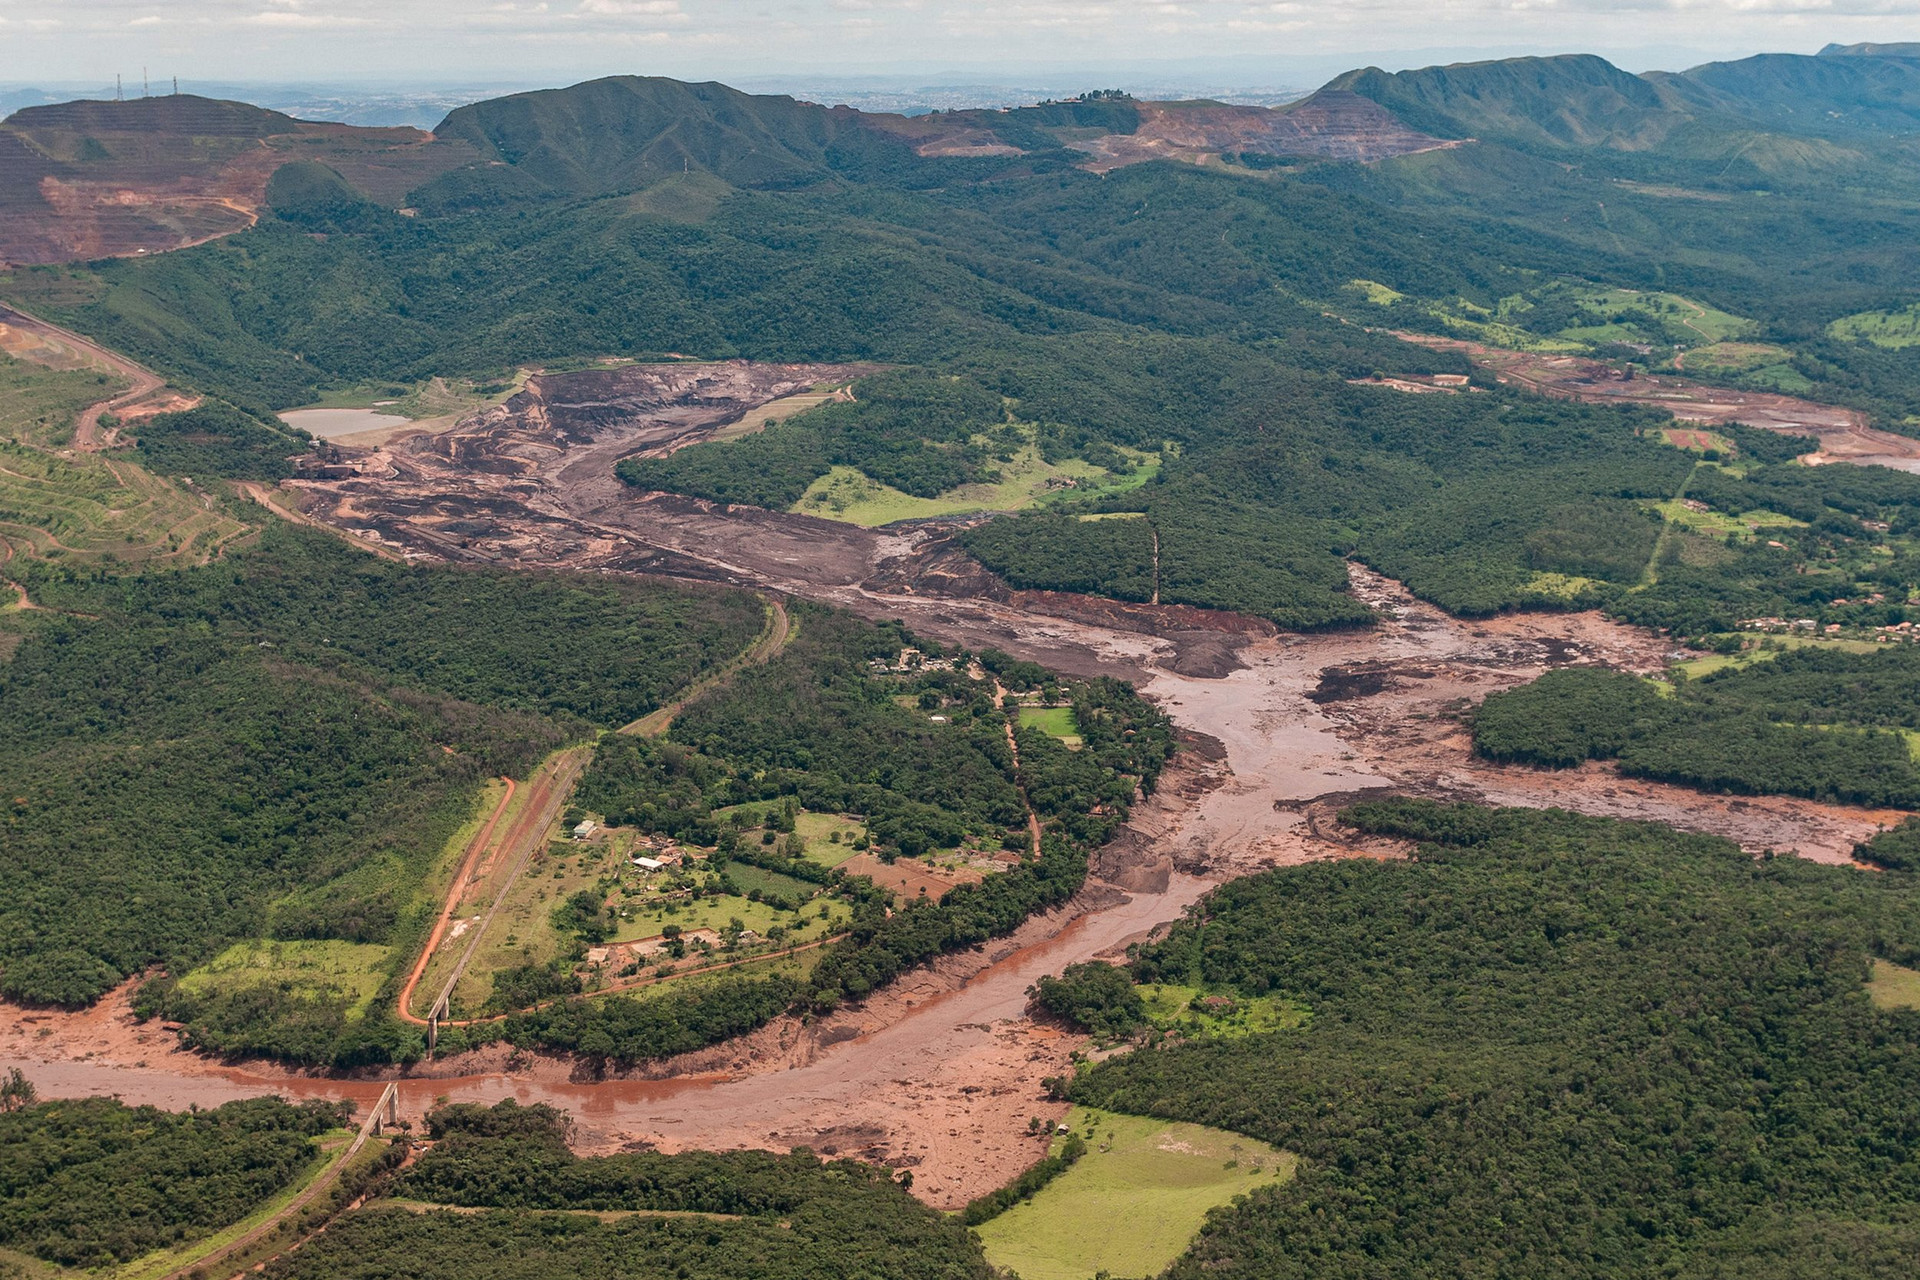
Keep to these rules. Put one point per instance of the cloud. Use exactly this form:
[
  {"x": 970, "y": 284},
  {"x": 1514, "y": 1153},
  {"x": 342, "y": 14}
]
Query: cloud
[{"x": 632, "y": 8}]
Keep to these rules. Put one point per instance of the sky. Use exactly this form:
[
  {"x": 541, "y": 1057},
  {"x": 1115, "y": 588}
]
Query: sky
[{"x": 1292, "y": 42}]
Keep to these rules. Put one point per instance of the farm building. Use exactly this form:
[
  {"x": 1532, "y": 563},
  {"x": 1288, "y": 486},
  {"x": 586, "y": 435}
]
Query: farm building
[
  {"x": 649, "y": 864},
  {"x": 585, "y": 830}
]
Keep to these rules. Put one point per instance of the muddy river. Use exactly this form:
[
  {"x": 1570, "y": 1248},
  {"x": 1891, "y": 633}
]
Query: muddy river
[{"x": 942, "y": 1072}]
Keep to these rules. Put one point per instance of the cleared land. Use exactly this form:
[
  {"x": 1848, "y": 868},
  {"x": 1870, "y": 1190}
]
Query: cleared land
[
  {"x": 1056, "y": 721},
  {"x": 311, "y": 968},
  {"x": 1027, "y": 480},
  {"x": 1133, "y": 1202},
  {"x": 1894, "y": 987}
]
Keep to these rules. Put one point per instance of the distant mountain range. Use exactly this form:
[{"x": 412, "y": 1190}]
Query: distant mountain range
[{"x": 95, "y": 178}]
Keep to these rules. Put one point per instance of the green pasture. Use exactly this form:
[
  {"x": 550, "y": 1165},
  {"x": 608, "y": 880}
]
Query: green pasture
[
  {"x": 1893, "y": 987},
  {"x": 1133, "y": 1202},
  {"x": 1893, "y": 329},
  {"x": 1055, "y": 721},
  {"x": 326, "y": 968},
  {"x": 848, "y": 494},
  {"x": 1171, "y": 1006}
]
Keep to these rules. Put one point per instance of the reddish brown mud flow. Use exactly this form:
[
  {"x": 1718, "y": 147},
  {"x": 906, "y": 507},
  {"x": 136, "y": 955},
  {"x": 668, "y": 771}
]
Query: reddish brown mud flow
[{"x": 942, "y": 1071}]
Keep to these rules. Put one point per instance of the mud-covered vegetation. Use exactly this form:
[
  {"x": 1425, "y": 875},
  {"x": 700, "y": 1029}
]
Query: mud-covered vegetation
[
  {"x": 1591, "y": 1047},
  {"x": 695, "y": 1215},
  {"x": 282, "y": 742},
  {"x": 93, "y": 1182},
  {"x": 1809, "y": 722}
]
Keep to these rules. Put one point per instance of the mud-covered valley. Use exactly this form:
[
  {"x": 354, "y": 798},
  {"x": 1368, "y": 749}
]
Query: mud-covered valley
[{"x": 942, "y": 1072}]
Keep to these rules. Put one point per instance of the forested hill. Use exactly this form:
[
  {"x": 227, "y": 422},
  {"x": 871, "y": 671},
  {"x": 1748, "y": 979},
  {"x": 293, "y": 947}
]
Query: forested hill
[
  {"x": 1578, "y": 101},
  {"x": 626, "y": 132}
]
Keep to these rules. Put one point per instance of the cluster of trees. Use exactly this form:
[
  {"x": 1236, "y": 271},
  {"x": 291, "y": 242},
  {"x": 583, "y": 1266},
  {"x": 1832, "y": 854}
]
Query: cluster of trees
[
  {"x": 93, "y": 1182},
  {"x": 282, "y": 743},
  {"x": 1097, "y": 998},
  {"x": 906, "y": 428},
  {"x": 1823, "y": 724},
  {"x": 725, "y": 1214},
  {"x": 1591, "y": 1048},
  {"x": 216, "y": 439},
  {"x": 1025, "y": 1187},
  {"x": 1897, "y": 849},
  {"x": 816, "y": 727}
]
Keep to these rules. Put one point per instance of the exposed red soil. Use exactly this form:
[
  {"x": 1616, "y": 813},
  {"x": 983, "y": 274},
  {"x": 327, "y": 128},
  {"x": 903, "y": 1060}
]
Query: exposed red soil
[
  {"x": 1331, "y": 124},
  {"x": 1843, "y": 434},
  {"x": 942, "y": 1071},
  {"x": 119, "y": 179}
]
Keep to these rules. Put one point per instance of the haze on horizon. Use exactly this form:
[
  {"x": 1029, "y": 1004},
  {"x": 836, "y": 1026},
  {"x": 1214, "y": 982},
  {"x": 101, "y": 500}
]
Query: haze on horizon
[{"x": 555, "y": 41}]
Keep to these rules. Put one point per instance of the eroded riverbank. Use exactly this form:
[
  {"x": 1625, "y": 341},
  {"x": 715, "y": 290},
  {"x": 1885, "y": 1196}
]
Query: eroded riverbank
[{"x": 942, "y": 1072}]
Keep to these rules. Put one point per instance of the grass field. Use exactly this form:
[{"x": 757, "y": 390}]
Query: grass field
[
  {"x": 764, "y": 416},
  {"x": 1719, "y": 525},
  {"x": 433, "y": 398},
  {"x": 1882, "y": 328},
  {"x": 1735, "y": 357},
  {"x": 1133, "y": 1202},
  {"x": 845, "y": 493},
  {"x": 781, "y": 888},
  {"x": 1057, "y": 721},
  {"x": 1171, "y": 1006},
  {"x": 1697, "y": 667},
  {"x": 714, "y": 913},
  {"x": 1560, "y": 586},
  {"x": 816, "y": 830},
  {"x": 1894, "y": 987},
  {"x": 38, "y": 404},
  {"x": 329, "y": 968}
]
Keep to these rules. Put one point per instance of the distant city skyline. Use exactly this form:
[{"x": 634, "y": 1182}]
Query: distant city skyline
[{"x": 1229, "y": 42}]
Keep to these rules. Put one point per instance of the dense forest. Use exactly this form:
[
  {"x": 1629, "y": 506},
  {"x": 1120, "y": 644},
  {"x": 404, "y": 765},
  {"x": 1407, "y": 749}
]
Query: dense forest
[
  {"x": 93, "y": 1182},
  {"x": 283, "y": 741},
  {"x": 216, "y": 439},
  {"x": 1550, "y": 1044},
  {"x": 1808, "y": 722},
  {"x": 695, "y": 1215}
]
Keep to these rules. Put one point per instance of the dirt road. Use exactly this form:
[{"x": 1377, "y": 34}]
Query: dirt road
[
  {"x": 771, "y": 642},
  {"x": 211, "y": 1262},
  {"x": 547, "y": 794},
  {"x": 469, "y": 867},
  {"x": 141, "y": 382}
]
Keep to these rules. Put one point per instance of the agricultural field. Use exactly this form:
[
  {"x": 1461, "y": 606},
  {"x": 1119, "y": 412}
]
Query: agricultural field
[
  {"x": 1056, "y": 722},
  {"x": 1133, "y": 1202}
]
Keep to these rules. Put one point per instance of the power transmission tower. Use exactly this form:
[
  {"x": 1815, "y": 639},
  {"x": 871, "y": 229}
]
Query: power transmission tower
[{"x": 118, "y": 94}]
